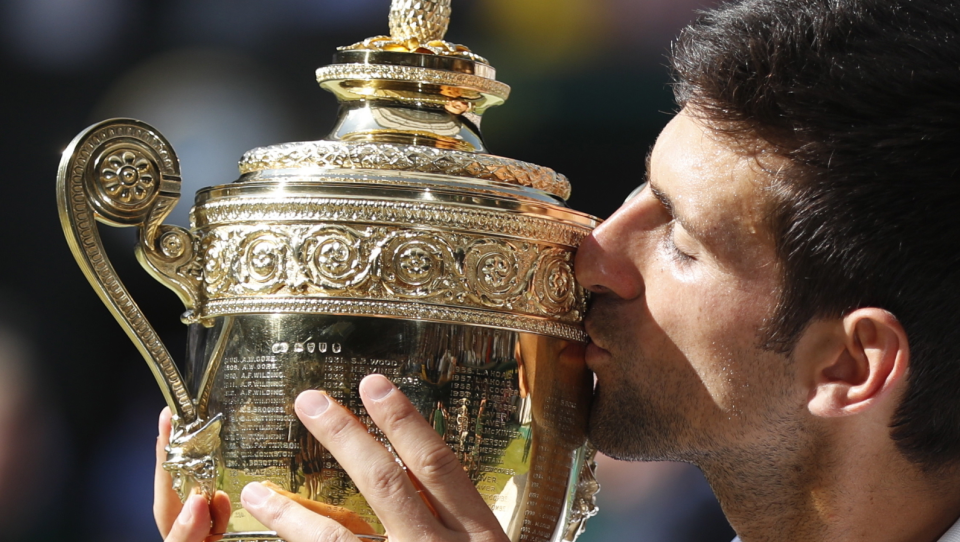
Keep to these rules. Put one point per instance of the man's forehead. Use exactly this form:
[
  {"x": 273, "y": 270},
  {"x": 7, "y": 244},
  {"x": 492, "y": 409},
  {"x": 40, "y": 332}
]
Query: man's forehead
[{"x": 717, "y": 188}]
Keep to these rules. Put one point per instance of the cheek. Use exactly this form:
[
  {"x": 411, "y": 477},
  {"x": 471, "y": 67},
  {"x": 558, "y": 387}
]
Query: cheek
[
  {"x": 695, "y": 306},
  {"x": 715, "y": 327}
]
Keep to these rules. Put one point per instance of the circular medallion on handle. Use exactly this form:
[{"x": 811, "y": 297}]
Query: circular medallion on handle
[
  {"x": 128, "y": 177},
  {"x": 125, "y": 180}
]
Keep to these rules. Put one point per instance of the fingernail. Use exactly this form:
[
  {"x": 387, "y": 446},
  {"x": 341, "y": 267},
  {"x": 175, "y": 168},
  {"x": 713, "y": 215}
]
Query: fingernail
[
  {"x": 255, "y": 494},
  {"x": 186, "y": 515},
  {"x": 312, "y": 403},
  {"x": 376, "y": 387},
  {"x": 164, "y": 420}
]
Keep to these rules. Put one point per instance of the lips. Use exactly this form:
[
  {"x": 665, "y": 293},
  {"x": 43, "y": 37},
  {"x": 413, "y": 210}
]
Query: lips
[
  {"x": 594, "y": 353},
  {"x": 589, "y": 325}
]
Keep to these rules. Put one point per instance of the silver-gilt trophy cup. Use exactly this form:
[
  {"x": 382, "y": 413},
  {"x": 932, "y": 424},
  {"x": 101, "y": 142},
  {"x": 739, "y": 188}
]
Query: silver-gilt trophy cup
[{"x": 395, "y": 246}]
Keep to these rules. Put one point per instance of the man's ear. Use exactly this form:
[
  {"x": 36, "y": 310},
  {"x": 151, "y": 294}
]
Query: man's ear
[{"x": 873, "y": 360}]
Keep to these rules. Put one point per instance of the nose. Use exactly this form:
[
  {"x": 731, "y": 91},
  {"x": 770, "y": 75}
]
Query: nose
[{"x": 608, "y": 261}]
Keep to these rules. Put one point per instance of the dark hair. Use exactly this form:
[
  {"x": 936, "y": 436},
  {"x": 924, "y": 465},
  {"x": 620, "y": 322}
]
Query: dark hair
[{"x": 863, "y": 98}]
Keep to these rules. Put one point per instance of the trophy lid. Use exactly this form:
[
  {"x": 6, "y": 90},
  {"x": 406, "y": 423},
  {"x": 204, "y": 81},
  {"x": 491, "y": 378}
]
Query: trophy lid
[{"x": 411, "y": 103}]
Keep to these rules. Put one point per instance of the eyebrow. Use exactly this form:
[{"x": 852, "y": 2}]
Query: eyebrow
[{"x": 667, "y": 204}]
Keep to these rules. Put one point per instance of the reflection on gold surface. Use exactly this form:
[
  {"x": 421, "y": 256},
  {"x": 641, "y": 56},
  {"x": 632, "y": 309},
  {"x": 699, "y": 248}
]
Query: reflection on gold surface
[{"x": 519, "y": 447}]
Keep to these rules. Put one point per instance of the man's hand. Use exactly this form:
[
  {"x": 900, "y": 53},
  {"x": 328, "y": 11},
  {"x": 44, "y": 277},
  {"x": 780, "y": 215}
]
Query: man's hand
[
  {"x": 190, "y": 521},
  {"x": 432, "y": 500}
]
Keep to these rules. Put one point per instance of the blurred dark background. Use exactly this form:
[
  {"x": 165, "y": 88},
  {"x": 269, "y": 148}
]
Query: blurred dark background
[{"x": 218, "y": 77}]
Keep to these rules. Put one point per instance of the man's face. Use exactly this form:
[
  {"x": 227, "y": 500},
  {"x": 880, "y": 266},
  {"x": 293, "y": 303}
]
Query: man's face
[{"x": 683, "y": 277}]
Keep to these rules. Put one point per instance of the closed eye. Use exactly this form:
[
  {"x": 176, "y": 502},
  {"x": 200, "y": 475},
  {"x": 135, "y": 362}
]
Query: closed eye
[{"x": 670, "y": 244}]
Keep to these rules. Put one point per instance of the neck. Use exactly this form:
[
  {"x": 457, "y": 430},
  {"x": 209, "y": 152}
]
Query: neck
[{"x": 829, "y": 495}]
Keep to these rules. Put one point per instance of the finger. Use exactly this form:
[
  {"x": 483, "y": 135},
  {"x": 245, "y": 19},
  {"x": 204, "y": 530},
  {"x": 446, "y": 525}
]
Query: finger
[
  {"x": 427, "y": 456},
  {"x": 166, "y": 502},
  {"x": 291, "y": 521},
  {"x": 353, "y": 521},
  {"x": 375, "y": 471},
  {"x": 193, "y": 523},
  {"x": 220, "y": 511}
]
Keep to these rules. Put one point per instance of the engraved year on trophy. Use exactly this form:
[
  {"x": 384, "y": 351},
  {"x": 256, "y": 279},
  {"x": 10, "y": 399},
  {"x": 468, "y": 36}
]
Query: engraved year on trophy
[{"x": 395, "y": 246}]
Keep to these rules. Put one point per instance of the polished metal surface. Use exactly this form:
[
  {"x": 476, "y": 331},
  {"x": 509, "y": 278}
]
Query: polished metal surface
[
  {"x": 509, "y": 405},
  {"x": 424, "y": 162},
  {"x": 396, "y": 246},
  {"x": 366, "y": 120}
]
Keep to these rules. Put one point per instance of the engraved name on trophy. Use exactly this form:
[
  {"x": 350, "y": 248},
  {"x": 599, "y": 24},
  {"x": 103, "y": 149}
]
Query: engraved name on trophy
[{"x": 395, "y": 246}]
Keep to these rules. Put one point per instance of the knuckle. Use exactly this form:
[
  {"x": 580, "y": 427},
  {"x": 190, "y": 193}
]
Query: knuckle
[
  {"x": 387, "y": 481},
  {"x": 329, "y": 531},
  {"x": 436, "y": 463},
  {"x": 338, "y": 428},
  {"x": 397, "y": 418},
  {"x": 277, "y": 510}
]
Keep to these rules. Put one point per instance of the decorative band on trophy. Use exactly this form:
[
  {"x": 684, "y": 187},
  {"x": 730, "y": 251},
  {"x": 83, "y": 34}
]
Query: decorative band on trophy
[
  {"x": 527, "y": 222},
  {"x": 399, "y": 264},
  {"x": 407, "y": 158}
]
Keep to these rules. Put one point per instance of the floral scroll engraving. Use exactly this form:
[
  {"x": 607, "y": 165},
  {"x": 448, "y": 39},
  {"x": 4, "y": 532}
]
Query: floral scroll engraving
[
  {"x": 335, "y": 260},
  {"x": 394, "y": 264},
  {"x": 555, "y": 284},
  {"x": 494, "y": 268},
  {"x": 264, "y": 262}
]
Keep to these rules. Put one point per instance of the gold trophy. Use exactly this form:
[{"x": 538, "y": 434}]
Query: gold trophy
[{"x": 395, "y": 246}]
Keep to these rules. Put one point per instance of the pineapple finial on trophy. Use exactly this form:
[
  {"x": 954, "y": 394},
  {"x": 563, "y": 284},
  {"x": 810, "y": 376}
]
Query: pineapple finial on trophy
[
  {"x": 417, "y": 26},
  {"x": 424, "y": 20}
]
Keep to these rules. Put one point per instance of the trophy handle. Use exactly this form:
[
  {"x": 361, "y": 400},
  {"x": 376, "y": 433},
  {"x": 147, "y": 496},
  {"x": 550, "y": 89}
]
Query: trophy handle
[
  {"x": 122, "y": 172},
  {"x": 584, "y": 504}
]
